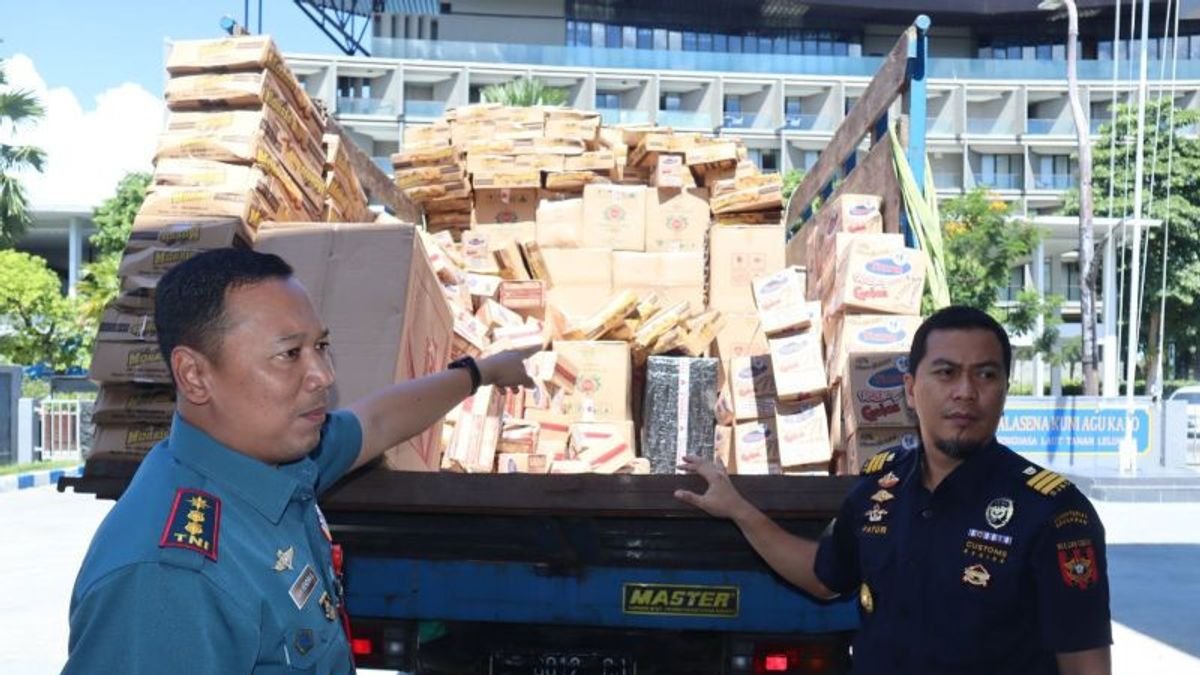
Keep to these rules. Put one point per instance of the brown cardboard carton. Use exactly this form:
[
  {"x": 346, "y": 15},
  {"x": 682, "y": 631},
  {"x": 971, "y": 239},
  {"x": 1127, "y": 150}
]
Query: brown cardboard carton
[
  {"x": 554, "y": 431},
  {"x": 118, "y": 325},
  {"x": 737, "y": 256},
  {"x": 428, "y": 156},
  {"x": 535, "y": 463},
  {"x": 677, "y": 220},
  {"x": 154, "y": 261},
  {"x": 495, "y": 315},
  {"x": 879, "y": 278},
  {"x": 510, "y": 261},
  {"x": 673, "y": 276},
  {"x": 193, "y": 233},
  {"x": 420, "y": 135},
  {"x": 477, "y": 432},
  {"x": 559, "y": 223},
  {"x": 766, "y": 195},
  {"x": 375, "y": 289},
  {"x": 752, "y": 387},
  {"x": 514, "y": 178},
  {"x": 477, "y": 249},
  {"x": 864, "y": 333},
  {"x": 868, "y": 442},
  {"x": 606, "y": 447},
  {"x": 781, "y": 304},
  {"x": 527, "y": 298},
  {"x": 499, "y": 235},
  {"x": 833, "y": 249},
  {"x": 132, "y": 361},
  {"x": 597, "y": 160},
  {"x": 244, "y": 90},
  {"x": 603, "y": 389},
  {"x": 614, "y": 216},
  {"x": 803, "y": 432},
  {"x": 517, "y": 435},
  {"x": 854, "y": 213},
  {"x": 713, "y": 154},
  {"x": 134, "y": 404},
  {"x": 531, "y": 251},
  {"x": 742, "y": 335},
  {"x": 756, "y": 448},
  {"x": 723, "y": 447},
  {"x": 873, "y": 391},
  {"x": 798, "y": 365},
  {"x": 582, "y": 280},
  {"x": 670, "y": 171},
  {"x": 137, "y": 439}
]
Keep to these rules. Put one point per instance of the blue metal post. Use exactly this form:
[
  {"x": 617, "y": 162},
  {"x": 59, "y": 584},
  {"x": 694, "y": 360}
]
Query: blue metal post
[{"x": 918, "y": 54}]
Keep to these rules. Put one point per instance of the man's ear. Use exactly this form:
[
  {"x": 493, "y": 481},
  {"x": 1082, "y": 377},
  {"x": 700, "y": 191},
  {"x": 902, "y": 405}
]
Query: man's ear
[
  {"x": 908, "y": 391},
  {"x": 191, "y": 369}
]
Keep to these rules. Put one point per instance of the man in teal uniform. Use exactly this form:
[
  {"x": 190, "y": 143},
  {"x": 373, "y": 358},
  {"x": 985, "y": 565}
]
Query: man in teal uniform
[
  {"x": 965, "y": 557},
  {"x": 217, "y": 559}
]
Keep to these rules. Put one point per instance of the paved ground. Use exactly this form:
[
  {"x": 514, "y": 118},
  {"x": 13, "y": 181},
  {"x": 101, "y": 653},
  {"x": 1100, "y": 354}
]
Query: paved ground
[{"x": 1154, "y": 552}]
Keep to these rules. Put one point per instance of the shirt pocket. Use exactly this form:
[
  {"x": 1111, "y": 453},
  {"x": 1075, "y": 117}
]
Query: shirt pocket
[{"x": 307, "y": 644}]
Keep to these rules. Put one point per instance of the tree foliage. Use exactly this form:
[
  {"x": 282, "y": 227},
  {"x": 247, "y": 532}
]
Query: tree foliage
[
  {"x": 114, "y": 217},
  {"x": 524, "y": 91},
  {"x": 42, "y": 326},
  {"x": 18, "y": 108}
]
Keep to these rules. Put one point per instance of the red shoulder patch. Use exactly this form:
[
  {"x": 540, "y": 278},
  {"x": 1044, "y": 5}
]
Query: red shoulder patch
[
  {"x": 194, "y": 523},
  {"x": 1077, "y": 562}
]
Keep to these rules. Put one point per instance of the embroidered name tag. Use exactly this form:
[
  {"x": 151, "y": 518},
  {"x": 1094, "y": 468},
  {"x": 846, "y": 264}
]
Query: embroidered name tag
[{"x": 302, "y": 589}]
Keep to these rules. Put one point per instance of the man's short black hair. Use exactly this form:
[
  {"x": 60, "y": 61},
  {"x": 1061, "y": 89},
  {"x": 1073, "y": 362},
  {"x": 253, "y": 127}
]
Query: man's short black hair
[
  {"x": 958, "y": 317},
  {"x": 189, "y": 301}
]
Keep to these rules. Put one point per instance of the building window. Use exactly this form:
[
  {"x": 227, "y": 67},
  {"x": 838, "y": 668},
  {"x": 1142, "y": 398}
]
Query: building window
[
  {"x": 612, "y": 37},
  {"x": 1002, "y": 172},
  {"x": 607, "y": 101},
  {"x": 720, "y": 42},
  {"x": 689, "y": 41},
  {"x": 645, "y": 38},
  {"x": 1016, "y": 284},
  {"x": 1072, "y": 273},
  {"x": 767, "y": 160},
  {"x": 733, "y": 104},
  {"x": 735, "y": 44},
  {"x": 629, "y": 37},
  {"x": 670, "y": 102},
  {"x": 433, "y": 29}
]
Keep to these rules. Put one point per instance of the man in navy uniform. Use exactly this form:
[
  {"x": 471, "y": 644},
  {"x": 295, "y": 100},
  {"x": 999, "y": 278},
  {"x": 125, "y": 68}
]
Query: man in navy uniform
[
  {"x": 217, "y": 559},
  {"x": 966, "y": 558}
]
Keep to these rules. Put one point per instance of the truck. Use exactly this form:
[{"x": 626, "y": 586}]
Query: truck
[{"x": 517, "y": 574}]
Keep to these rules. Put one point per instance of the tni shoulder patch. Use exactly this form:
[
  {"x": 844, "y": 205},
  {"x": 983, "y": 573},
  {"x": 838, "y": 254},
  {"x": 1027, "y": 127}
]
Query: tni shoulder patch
[
  {"x": 876, "y": 463},
  {"x": 1047, "y": 482},
  {"x": 194, "y": 523}
]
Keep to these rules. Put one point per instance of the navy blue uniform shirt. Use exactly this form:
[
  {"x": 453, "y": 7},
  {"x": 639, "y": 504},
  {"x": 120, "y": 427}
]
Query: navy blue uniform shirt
[
  {"x": 995, "y": 571},
  {"x": 215, "y": 562}
]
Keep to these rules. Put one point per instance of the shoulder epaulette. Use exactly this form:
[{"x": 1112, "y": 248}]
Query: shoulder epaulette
[
  {"x": 194, "y": 523},
  {"x": 876, "y": 463},
  {"x": 1046, "y": 482}
]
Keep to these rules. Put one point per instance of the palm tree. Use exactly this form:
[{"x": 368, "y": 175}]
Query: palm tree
[
  {"x": 524, "y": 92},
  {"x": 17, "y": 107}
]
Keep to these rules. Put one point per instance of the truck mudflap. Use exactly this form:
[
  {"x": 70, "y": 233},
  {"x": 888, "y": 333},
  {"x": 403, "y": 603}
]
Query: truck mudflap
[{"x": 743, "y": 601}]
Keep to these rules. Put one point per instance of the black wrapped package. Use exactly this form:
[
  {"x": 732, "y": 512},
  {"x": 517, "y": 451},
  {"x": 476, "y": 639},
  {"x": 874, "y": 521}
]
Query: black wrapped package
[{"x": 678, "y": 413}]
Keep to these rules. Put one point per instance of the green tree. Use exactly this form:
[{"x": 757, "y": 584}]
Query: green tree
[
  {"x": 983, "y": 243},
  {"x": 43, "y": 326},
  {"x": 524, "y": 91},
  {"x": 1178, "y": 156},
  {"x": 791, "y": 180},
  {"x": 114, "y": 217},
  {"x": 18, "y": 107}
]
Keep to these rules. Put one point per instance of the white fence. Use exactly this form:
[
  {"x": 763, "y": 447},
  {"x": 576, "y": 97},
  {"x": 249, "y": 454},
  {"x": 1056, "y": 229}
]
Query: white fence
[{"x": 61, "y": 425}]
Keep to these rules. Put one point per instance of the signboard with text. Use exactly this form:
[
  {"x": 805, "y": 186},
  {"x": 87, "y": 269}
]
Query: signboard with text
[{"x": 1074, "y": 427}]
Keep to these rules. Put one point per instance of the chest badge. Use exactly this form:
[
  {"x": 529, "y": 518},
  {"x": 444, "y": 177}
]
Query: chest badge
[
  {"x": 327, "y": 605},
  {"x": 882, "y": 496},
  {"x": 876, "y": 513},
  {"x": 999, "y": 512},
  {"x": 865, "y": 599},
  {"x": 303, "y": 587},
  {"x": 976, "y": 575},
  {"x": 304, "y": 641},
  {"x": 284, "y": 558},
  {"x": 890, "y": 480}
]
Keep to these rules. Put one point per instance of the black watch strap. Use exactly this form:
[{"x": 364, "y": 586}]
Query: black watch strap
[{"x": 467, "y": 363}]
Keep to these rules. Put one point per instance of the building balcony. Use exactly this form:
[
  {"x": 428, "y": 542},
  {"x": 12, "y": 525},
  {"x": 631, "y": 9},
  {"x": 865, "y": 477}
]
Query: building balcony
[
  {"x": 1000, "y": 181},
  {"x": 685, "y": 119},
  {"x": 942, "y": 126},
  {"x": 745, "y": 121},
  {"x": 1045, "y": 126},
  {"x": 364, "y": 106},
  {"x": 1094, "y": 125},
  {"x": 989, "y": 126},
  {"x": 612, "y": 116},
  {"x": 423, "y": 110},
  {"x": 800, "y": 122},
  {"x": 947, "y": 180},
  {"x": 1054, "y": 181}
]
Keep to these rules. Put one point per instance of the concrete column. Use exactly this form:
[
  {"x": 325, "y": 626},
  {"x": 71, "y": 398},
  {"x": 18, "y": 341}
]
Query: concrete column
[
  {"x": 1039, "y": 283},
  {"x": 1109, "y": 353},
  {"x": 75, "y": 254}
]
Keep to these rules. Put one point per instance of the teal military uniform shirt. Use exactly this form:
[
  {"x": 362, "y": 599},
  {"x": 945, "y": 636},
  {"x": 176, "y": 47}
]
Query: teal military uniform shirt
[{"x": 215, "y": 562}]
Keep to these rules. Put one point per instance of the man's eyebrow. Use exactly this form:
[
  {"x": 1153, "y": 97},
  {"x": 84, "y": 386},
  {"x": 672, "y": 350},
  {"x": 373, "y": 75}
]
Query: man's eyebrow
[
  {"x": 940, "y": 361},
  {"x": 300, "y": 336}
]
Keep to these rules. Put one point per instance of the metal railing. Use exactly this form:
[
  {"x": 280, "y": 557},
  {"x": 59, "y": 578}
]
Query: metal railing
[
  {"x": 61, "y": 425},
  {"x": 939, "y": 125},
  {"x": 423, "y": 109},
  {"x": 1000, "y": 181},
  {"x": 988, "y": 126},
  {"x": 613, "y": 116},
  {"x": 685, "y": 119},
  {"x": 1046, "y": 126},
  {"x": 947, "y": 180},
  {"x": 800, "y": 121},
  {"x": 1054, "y": 181},
  {"x": 741, "y": 120},
  {"x": 364, "y": 106}
]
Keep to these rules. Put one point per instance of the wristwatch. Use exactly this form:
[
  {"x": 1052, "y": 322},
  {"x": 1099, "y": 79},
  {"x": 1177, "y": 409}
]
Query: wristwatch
[{"x": 471, "y": 367}]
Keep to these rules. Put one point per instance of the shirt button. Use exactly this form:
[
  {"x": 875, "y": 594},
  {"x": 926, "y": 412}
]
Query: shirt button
[{"x": 927, "y": 513}]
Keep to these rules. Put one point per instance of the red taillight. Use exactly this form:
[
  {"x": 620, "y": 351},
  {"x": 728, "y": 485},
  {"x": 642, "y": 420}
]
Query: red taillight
[
  {"x": 808, "y": 658},
  {"x": 775, "y": 663},
  {"x": 362, "y": 647}
]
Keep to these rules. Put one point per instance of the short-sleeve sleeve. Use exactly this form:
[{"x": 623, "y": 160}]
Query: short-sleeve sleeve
[
  {"x": 147, "y": 618},
  {"x": 341, "y": 443},
  {"x": 836, "y": 564},
  {"x": 1071, "y": 572}
]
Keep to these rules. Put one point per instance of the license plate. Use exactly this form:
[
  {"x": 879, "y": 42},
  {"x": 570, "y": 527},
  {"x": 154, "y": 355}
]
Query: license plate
[{"x": 561, "y": 663}]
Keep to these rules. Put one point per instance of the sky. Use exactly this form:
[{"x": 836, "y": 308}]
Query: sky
[{"x": 98, "y": 69}]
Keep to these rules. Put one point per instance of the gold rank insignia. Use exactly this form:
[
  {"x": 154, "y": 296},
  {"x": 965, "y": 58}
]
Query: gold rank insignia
[
  {"x": 976, "y": 575},
  {"x": 889, "y": 480},
  {"x": 194, "y": 523},
  {"x": 1047, "y": 482},
  {"x": 876, "y": 463},
  {"x": 284, "y": 558},
  {"x": 865, "y": 599},
  {"x": 882, "y": 496}
]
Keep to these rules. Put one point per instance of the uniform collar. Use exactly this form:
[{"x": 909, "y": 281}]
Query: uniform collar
[
  {"x": 968, "y": 477},
  {"x": 267, "y": 488}
]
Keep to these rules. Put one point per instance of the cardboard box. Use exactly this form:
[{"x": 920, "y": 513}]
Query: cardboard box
[
  {"x": 742, "y": 335},
  {"x": 244, "y": 90},
  {"x": 677, "y": 413},
  {"x": 154, "y": 261},
  {"x": 880, "y": 278},
  {"x": 803, "y": 430},
  {"x": 713, "y": 153},
  {"x": 516, "y": 435},
  {"x": 527, "y": 298},
  {"x": 752, "y": 387},
  {"x": 137, "y": 439},
  {"x": 602, "y": 391},
  {"x": 873, "y": 391},
  {"x": 798, "y": 365},
  {"x": 535, "y": 463},
  {"x": 597, "y": 160},
  {"x": 477, "y": 431},
  {"x": 673, "y": 276},
  {"x": 670, "y": 171},
  {"x": 677, "y": 220},
  {"x": 855, "y": 213},
  {"x": 125, "y": 404},
  {"x": 781, "y": 304},
  {"x": 477, "y": 249},
  {"x": 866, "y": 443},
  {"x": 723, "y": 447},
  {"x": 605, "y": 447},
  {"x": 420, "y": 135},
  {"x": 560, "y": 223},
  {"x": 737, "y": 255},
  {"x": 766, "y": 195},
  {"x": 864, "y": 333},
  {"x": 374, "y": 287},
  {"x": 582, "y": 280},
  {"x": 132, "y": 361},
  {"x": 554, "y": 431},
  {"x": 118, "y": 325},
  {"x": 614, "y": 216},
  {"x": 756, "y": 448},
  {"x": 193, "y": 233}
]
